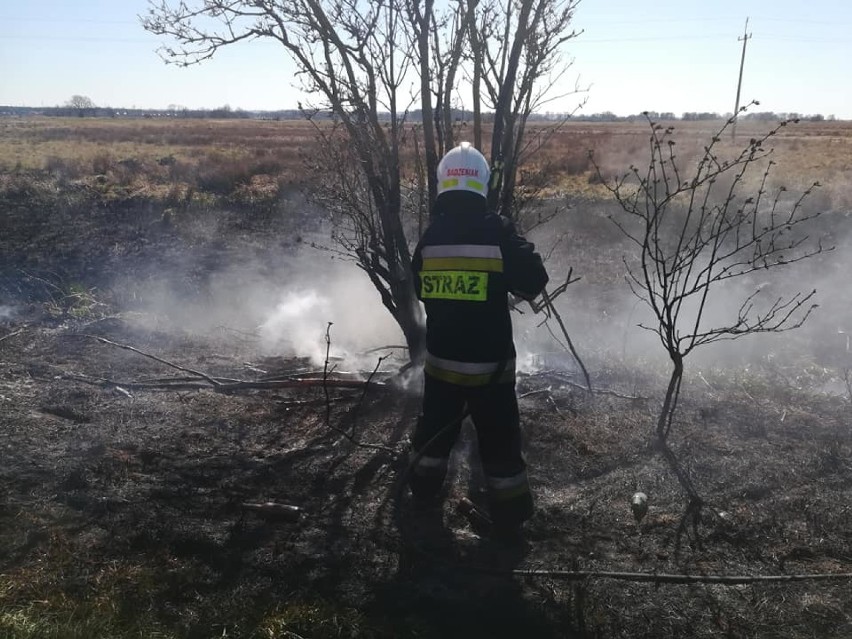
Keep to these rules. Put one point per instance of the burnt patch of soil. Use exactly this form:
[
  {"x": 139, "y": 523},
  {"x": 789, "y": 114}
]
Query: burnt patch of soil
[{"x": 123, "y": 490}]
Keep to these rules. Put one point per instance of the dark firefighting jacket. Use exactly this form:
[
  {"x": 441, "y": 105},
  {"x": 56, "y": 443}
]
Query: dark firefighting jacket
[{"x": 464, "y": 266}]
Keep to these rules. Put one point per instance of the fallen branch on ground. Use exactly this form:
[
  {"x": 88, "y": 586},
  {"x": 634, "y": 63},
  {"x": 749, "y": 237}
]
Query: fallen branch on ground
[
  {"x": 274, "y": 510},
  {"x": 562, "y": 379},
  {"x": 104, "y": 340},
  {"x": 181, "y": 383},
  {"x": 665, "y": 578},
  {"x": 201, "y": 380},
  {"x": 12, "y": 334}
]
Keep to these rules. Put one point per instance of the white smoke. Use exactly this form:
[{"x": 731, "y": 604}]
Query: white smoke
[
  {"x": 339, "y": 294},
  {"x": 296, "y": 326},
  {"x": 283, "y": 311}
]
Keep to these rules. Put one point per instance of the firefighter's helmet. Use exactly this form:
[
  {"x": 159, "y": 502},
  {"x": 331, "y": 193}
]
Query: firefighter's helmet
[{"x": 463, "y": 169}]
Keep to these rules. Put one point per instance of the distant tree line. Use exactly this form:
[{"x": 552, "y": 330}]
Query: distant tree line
[{"x": 83, "y": 108}]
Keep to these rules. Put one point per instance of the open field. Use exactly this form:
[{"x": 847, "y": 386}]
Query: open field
[
  {"x": 124, "y": 481},
  {"x": 262, "y": 159}
]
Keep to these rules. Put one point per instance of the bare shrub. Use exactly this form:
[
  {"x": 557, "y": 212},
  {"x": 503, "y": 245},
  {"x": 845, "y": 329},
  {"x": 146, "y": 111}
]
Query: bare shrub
[
  {"x": 101, "y": 163},
  {"x": 696, "y": 227}
]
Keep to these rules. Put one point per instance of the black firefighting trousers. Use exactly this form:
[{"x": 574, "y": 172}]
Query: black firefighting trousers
[{"x": 494, "y": 411}]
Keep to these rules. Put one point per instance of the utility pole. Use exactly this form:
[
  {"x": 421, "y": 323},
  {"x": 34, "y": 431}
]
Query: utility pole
[{"x": 745, "y": 39}]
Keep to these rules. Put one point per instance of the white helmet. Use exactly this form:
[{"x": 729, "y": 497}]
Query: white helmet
[{"x": 463, "y": 169}]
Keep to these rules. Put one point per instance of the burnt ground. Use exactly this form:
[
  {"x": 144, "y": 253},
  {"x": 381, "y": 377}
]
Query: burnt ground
[{"x": 121, "y": 503}]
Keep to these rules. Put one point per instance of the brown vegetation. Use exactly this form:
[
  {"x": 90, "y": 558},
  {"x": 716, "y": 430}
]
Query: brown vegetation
[{"x": 260, "y": 159}]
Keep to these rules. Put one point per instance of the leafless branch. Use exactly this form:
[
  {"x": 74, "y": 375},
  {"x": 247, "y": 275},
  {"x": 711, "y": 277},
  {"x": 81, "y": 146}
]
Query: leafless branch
[{"x": 204, "y": 376}]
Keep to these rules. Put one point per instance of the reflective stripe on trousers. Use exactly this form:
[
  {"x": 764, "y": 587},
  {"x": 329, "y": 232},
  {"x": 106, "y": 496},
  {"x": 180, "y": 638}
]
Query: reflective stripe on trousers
[
  {"x": 469, "y": 373},
  {"x": 503, "y": 488},
  {"x": 427, "y": 465},
  {"x": 510, "y": 500}
]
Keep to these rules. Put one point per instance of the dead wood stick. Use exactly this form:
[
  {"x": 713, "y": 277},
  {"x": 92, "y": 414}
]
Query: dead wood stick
[
  {"x": 666, "y": 578},
  {"x": 274, "y": 510},
  {"x": 133, "y": 349},
  {"x": 12, "y": 334},
  {"x": 555, "y": 406},
  {"x": 385, "y": 348},
  {"x": 298, "y": 383},
  {"x": 110, "y": 383},
  {"x": 189, "y": 384},
  {"x": 597, "y": 391},
  {"x": 310, "y": 402},
  {"x": 604, "y": 391},
  {"x": 552, "y": 309},
  {"x": 534, "y": 392}
]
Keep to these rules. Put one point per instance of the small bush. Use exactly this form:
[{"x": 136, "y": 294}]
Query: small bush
[{"x": 101, "y": 163}]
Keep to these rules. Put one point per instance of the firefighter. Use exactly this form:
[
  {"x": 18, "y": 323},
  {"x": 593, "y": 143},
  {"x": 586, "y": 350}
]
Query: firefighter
[{"x": 466, "y": 264}]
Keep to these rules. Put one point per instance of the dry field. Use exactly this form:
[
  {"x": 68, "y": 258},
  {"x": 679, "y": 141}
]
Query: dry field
[{"x": 126, "y": 483}]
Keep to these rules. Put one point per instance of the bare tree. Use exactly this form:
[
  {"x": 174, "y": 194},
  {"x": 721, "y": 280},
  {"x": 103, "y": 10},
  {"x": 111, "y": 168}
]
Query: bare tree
[
  {"x": 517, "y": 54},
  {"x": 694, "y": 232},
  {"x": 81, "y": 104},
  {"x": 369, "y": 64}
]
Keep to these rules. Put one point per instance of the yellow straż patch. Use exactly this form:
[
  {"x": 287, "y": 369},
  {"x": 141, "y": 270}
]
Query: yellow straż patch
[{"x": 470, "y": 286}]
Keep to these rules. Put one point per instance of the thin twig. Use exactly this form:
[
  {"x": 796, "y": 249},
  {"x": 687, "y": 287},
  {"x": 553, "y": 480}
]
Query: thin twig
[
  {"x": 548, "y": 302},
  {"x": 325, "y": 384},
  {"x": 535, "y": 392},
  {"x": 560, "y": 376},
  {"x": 189, "y": 384},
  {"x": 12, "y": 334},
  {"x": 357, "y": 408},
  {"x": 325, "y": 374},
  {"x": 666, "y": 578},
  {"x": 703, "y": 379},
  {"x": 385, "y": 348},
  {"x": 605, "y": 391},
  {"x": 220, "y": 384},
  {"x": 204, "y": 376},
  {"x": 310, "y": 402},
  {"x": 555, "y": 406}
]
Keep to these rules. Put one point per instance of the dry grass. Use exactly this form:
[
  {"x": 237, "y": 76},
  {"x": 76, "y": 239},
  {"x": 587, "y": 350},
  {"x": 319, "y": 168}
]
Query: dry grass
[
  {"x": 805, "y": 152},
  {"x": 251, "y": 159},
  {"x": 158, "y": 159}
]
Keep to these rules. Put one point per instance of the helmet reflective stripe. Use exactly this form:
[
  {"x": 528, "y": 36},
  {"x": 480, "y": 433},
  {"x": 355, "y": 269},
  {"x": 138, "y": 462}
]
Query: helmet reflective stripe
[
  {"x": 463, "y": 169},
  {"x": 453, "y": 185}
]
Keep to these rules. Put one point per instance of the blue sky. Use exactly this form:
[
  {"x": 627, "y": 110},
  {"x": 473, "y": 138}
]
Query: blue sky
[{"x": 662, "y": 55}]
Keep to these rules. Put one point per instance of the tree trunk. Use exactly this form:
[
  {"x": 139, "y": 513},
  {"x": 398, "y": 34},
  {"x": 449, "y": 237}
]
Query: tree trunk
[{"x": 664, "y": 421}]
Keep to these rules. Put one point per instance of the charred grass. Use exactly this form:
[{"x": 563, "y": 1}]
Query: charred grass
[
  {"x": 121, "y": 508},
  {"x": 121, "y": 512}
]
